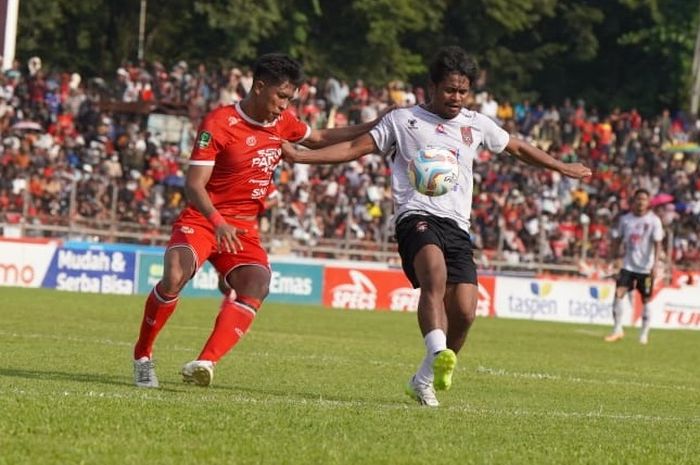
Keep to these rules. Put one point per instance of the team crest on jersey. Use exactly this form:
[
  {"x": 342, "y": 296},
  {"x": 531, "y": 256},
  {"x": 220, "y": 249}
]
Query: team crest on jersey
[
  {"x": 204, "y": 139},
  {"x": 440, "y": 129},
  {"x": 467, "y": 135},
  {"x": 412, "y": 124},
  {"x": 251, "y": 141}
]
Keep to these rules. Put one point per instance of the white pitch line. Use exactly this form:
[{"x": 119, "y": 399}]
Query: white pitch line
[
  {"x": 83, "y": 340},
  {"x": 590, "y": 332},
  {"x": 153, "y": 395},
  {"x": 109, "y": 342},
  {"x": 338, "y": 359},
  {"x": 572, "y": 379}
]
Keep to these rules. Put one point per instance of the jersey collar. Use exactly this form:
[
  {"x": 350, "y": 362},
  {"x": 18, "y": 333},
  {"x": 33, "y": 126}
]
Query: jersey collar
[{"x": 250, "y": 120}]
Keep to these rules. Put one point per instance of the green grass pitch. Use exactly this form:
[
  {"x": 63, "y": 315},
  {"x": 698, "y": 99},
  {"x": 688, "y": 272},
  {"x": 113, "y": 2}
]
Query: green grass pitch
[{"x": 314, "y": 386}]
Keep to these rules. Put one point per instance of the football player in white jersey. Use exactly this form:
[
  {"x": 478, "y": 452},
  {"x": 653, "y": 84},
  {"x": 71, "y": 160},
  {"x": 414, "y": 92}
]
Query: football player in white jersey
[
  {"x": 640, "y": 233},
  {"x": 433, "y": 232}
]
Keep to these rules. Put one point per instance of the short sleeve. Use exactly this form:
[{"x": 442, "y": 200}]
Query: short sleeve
[
  {"x": 495, "y": 138},
  {"x": 209, "y": 142},
  {"x": 658, "y": 229},
  {"x": 383, "y": 132},
  {"x": 293, "y": 129}
]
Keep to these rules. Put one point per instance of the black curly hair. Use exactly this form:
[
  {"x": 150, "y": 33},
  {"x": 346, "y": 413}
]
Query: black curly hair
[
  {"x": 450, "y": 60},
  {"x": 276, "y": 68}
]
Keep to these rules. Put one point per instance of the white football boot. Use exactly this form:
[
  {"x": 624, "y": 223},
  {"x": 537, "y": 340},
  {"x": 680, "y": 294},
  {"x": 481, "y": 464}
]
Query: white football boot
[
  {"x": 423, "y": 393},
  {"x": 199, "y": 372}
]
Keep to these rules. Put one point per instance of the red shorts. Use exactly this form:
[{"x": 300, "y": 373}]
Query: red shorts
[{"x": 194, "y": 231}]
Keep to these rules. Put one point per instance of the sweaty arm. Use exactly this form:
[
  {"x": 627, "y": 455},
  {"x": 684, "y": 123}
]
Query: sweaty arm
[
  {"x": 533, "y": 156},
  {"x": 337, "y": 153}
]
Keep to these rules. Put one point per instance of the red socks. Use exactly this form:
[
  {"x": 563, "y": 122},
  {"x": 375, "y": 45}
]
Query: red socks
[
  {"x": 235, "y": 317},
  {"x": 159, "y": 307}
]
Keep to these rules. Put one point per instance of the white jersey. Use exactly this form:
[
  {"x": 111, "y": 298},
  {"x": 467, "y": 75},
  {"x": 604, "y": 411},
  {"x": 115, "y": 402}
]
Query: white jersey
[
  {"x": 638, "y": 234},
  {"x": 413, "y": 129}
]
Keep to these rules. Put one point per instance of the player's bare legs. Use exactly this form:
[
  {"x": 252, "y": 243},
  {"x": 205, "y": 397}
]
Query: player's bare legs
[
  {"x": 250, "y": 280},
  {"x": 431, "y": 272},
  {"x": 460, "y": 303},
  {"x": 617, "y": 332},
  {"x": 251, "y": 285},
  {"x": 460, "y": 308},
  {"x": 178, "y": 267},
  {"x": 432, "y": 276}
]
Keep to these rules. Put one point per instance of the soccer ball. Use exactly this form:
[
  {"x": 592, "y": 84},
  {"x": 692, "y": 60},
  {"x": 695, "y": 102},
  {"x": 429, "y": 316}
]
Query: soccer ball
[{"x": 434, "y": 171}]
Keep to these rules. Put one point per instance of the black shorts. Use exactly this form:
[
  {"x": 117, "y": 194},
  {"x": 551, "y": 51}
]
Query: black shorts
[
  {"x": 413, "y": 232},
  {"x": 640, "y": 281}
]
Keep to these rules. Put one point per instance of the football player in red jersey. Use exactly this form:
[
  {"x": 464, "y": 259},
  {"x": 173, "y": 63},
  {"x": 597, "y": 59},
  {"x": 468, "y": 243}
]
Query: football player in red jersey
[{"x": 236, "y": 152}]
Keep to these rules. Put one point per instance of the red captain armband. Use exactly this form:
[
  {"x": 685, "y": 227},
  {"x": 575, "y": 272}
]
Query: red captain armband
[{"x": 216, "y": 219}]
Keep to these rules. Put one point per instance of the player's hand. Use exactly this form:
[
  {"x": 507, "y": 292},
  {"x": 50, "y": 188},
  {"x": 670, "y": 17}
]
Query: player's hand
[
  {"x": 576, "y": 170},
  {"x": 227, "y": 239},
  {"x": 289, "y": 152}
]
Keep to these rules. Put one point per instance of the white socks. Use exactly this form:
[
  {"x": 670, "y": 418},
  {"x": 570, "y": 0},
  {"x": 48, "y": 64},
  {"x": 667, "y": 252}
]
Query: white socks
[
  {"x": 645, "y": 320},
  {"x": 617, "y": 316},
  {"x": 435, "y": 341}
]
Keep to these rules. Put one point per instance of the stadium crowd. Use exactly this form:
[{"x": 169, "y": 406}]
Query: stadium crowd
[{"x": 66, "y": 143}]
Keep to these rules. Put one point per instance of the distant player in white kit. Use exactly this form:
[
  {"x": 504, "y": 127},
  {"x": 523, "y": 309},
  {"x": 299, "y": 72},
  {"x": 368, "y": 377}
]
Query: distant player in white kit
[
  {"x": 433, "y": 232},
  {"x": 640, "y": 233}
]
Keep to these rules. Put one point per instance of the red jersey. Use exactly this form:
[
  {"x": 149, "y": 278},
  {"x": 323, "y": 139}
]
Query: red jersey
[{"x": 244, "y": 154}]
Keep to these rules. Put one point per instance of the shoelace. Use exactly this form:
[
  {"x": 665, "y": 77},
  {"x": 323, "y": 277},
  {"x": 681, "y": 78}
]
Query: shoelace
[{"x": 144, "y": 371}]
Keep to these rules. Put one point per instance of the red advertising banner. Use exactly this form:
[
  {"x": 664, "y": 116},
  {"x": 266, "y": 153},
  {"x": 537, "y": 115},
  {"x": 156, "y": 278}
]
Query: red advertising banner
[
  {"x": 365, "y": 289},
  {"x": 369, "y": 289},
  {"x": 685, "y": 278},
  {"x": 487, "y": 296}
]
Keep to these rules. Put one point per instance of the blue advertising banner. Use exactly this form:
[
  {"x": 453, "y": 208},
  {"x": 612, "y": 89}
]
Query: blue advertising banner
[
  {"x": 154, "y": 249},
  {"x": 205, "y": 283},
  {"x": 83, "y": 269},
  {"x": 150, "y": 270},
  {"x": 296, "y": 283}
]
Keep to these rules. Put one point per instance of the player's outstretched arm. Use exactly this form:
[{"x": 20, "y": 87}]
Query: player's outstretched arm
[
  {"x": 536, "y": 157},
  {"x": 320, "y": 138},
  {"x": 337, "y": 153}
]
